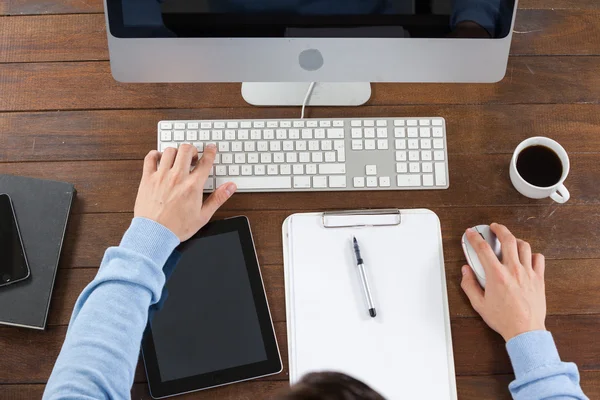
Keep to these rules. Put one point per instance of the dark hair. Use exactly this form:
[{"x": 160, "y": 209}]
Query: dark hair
[{"x": 329, "y": 386}]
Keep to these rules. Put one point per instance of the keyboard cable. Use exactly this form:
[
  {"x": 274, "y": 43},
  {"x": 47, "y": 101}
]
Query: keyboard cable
[{"x": 308, "y": 94}]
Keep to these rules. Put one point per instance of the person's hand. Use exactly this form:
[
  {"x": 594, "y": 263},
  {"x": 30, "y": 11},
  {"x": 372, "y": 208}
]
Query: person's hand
[
  {"x": 514, "y": 299},
  {"x": 172, "y": 195}
]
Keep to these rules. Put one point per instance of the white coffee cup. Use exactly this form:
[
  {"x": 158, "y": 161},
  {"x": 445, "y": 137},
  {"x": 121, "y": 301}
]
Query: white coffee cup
[{"x": 557, "y": 192}]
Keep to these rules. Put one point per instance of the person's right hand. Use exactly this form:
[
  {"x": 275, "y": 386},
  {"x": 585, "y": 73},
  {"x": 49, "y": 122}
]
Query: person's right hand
[
  {"x": 172, "y": 195},
  {"x": 514, "y": 299}
]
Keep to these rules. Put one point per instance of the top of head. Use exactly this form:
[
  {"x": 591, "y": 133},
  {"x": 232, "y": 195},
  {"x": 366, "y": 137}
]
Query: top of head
[{"x": 471, "y": 255}]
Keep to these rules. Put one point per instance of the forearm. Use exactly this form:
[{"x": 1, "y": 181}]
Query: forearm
[
  {"x": 101, "y": 349},
  {"x": 539, "y": 372}
]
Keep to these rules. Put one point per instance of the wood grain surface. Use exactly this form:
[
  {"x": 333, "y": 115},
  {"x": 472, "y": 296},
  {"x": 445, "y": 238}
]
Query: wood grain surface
[{"x": 62, "y": 116}]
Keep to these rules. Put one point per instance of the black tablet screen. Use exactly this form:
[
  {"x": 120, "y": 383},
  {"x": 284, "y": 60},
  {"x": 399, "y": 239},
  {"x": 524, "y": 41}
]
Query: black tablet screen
[{"x": 206, "y": 320}]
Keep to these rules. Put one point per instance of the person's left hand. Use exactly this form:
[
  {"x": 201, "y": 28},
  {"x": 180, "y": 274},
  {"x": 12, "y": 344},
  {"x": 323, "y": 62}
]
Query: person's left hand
[{"x": 172, "y": 195}]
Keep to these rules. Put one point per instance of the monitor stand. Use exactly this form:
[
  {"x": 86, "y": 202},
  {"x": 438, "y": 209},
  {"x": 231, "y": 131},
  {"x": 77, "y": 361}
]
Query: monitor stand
[{"x": 293, "y": 93}]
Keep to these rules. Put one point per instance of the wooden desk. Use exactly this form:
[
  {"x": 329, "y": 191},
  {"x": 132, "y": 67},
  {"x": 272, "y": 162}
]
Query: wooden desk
[{"x": 62, "y": 116}]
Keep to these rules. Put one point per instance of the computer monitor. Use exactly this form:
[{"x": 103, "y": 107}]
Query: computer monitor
[{"x": 334, "y": 42}]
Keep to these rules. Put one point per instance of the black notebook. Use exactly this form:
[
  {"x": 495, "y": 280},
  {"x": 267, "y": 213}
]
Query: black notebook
[{"x": 42, "y": 210}]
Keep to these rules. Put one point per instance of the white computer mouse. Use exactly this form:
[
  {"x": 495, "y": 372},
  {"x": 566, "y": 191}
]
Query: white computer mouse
[{"x": 472, "y": 258}]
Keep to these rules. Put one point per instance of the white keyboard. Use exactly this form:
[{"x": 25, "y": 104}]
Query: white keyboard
[{"x": 319, "y": 154}]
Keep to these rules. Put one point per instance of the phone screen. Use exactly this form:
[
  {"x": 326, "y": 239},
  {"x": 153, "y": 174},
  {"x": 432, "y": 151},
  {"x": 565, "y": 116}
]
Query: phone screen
[{"x": 13, "y": 263}]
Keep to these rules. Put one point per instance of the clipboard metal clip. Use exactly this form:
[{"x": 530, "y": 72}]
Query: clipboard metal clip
[{"x": 361, "y": 218}]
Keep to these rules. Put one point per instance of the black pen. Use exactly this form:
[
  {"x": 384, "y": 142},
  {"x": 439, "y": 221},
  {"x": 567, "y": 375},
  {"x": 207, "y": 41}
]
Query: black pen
[{"x": 363, "y": 278}]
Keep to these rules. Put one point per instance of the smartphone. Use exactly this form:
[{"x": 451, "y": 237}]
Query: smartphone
[{"x": 13, "y": 261}]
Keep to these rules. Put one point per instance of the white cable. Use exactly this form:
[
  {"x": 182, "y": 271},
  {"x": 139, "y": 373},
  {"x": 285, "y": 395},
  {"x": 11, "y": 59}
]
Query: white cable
[{"x": 308, "y": 93}]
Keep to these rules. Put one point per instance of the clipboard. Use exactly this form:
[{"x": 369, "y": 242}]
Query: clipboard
[{"x": 408, "y": 345}]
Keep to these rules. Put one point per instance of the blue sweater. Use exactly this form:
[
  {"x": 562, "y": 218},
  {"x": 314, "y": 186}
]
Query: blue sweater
[{"x": 100, "y": 353}]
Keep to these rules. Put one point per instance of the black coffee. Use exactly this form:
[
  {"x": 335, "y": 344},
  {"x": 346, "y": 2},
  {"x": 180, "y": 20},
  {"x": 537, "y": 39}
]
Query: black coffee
[{"x": 540, "y": 166}]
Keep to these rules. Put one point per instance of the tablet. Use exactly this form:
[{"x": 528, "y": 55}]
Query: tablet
[{"x": 212, "y": 325}]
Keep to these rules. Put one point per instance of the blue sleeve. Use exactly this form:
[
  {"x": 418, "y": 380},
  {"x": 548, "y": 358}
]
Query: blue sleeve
[
  {"x": 484, "y": 12},
  {"x": 539, "y": 372},
  {"x": 101, "y": 349}
]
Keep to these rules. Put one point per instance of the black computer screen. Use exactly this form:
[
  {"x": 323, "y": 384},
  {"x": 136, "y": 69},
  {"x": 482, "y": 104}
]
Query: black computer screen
[
  {"x": 311, "y": 18},
  {"x": 207, "y": 319}
]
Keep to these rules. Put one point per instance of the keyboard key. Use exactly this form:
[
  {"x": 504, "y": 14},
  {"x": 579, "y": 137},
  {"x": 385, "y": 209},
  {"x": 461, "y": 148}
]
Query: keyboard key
[
  {"x": 401, "y": 156},
  {"x": 236, "y": 146},
  {"x": 298, "y": 124},
  {"x": 320, "y": 133},
  {"x": 298, "y": 169},
  {"x": 246, "y": 169},
  {"x": 178, "y": 135},
  {"x": 338, "y": 123},
  {"x": 371, "y": 170},
  {"x": 412, "y": 122},
  {"x": 285, "y": 124},
  {"x": 285, "y": 169},
  {"x": 381, "y": 122},
  {"x": 205, "y": 125},
  {"x": 438, "y": 143},
  {"x": 438, "y": 155},
  {"x": 275, "y": 145},
  {"x": 217, "y": 135},
  {"x": 267, "y": 182},
  {"x": 166, "y": 125},
  {"x": 426, "y": 143},
  {"x": 220, "y": 170},
  {"x": 413, "y": 156},
  {"x": 359, "y": 182},
  {"x": 326, "y": 145},
  {"x": 229, "y": 134},
  {"x": 223, "y": 147},
  {"x": 384, "y": 181},
  {"x": 179, "y": 125},
  {"x": 272, "y": 124},
  {"x": 288, "y": 145},
  {"x": 401, "y": 168},
  {"x": 329, "y": 156},
  {"x": 268, "y": 134},
  {"x": 413, "y": 132},
  {"x": 357, "y": 145},
  {"x": 312, "y": 124},
  {"x": 232, "y": 124},
  {"x": 399, "y": 122},
  {"x": 427, "y": 167},
  {"x": 307, "y": 133},
  {"x": 338, "y": 144},
  {"x": 209, "y": 184},
  {"x": 369, "y": 122},
  {"x": 265, "y": 158},
  {"x": 166, "y": 136},
  {"x": 356, "y": 133},
  {"x": 426, "y": 155},
  {"x": 166, "y": 145},
  {"x": 382, "y": 144},
  {"x": 408, "y": 180},
  {"x": 413, "y": 144},
  {"x": 313, "y": 145},
  {"x": 324, "y": 124},
  {"x": 400, "y": 144},
  {"x": 304, "y": 157},
  {"x": 370, "y": 133},
  {"x": 227, "y": 158},
  {"x": 259, "y": 170},
  {"x": 204, "y": 135},
  {"x": 301, "y": 182},
  {"x": 413, "y": 168},
  {"x": 252, "y": 158},
  {"x": 294, "y": 133},
  {"x": 356, "y": 123},
  {"x": 219, "y": 125},
  {"x": 279, "y": 157},
  {"x": 319, "y": 182},
  {"x": 192, "y": 125},
  {"x": 317, "y": 157},
  {"x": 281, "y": 134},
  {"x": 243, "y": 134},
  {"x": 335, "y": 133},
  {"x": 399, "y": 132},
  {"x": 440, "y": 174},
  {"x": 311, "y": 169},
  {"x": 437, "y": 122},
  {"x": 427, "y": 180},
  {"x": 382, "y": 132},
  {"x": 341, "y": 155},
  {"x": 438, "y": 132},
  {"x": 369, "y": 144},
  {"x": 234, "y": 170},
  {"x": 337, "y": 181},
  {"x": 259, "y": 124},
  {"x": 262, "y": 146},
  {"x": 199, "y": 146},
  {"x": 425, "y": 132},
  {"x": 423, "y": 122},
  {"x": 255, "y": 134},
  {"x": 331, "y": 169},
  {"x": 239, "y": 158},
  {"x": 246, "y": 124},
  {"x": 291, "y": 157},
  {"x": 371, "y": 181},
  {"x": 249, "y": 146}
]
